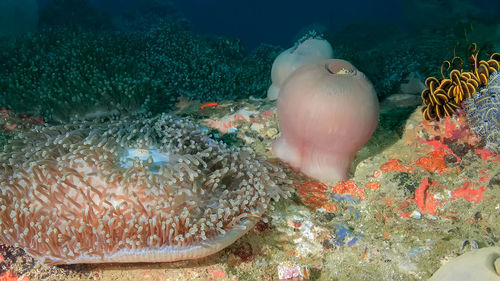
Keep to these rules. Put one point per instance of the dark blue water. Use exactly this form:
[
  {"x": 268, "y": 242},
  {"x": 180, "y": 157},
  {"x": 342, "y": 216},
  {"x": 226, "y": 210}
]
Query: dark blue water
[{"x": 279, "y": 22}]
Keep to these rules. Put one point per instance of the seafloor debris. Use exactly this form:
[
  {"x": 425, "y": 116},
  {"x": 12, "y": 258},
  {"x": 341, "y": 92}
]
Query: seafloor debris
[{"x": 295, "y": 271}]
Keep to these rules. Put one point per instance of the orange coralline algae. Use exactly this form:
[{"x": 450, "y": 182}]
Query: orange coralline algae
[
  {"x": 455, "y": 130},
  {"x": 471, "y": 195},
  {"x": 432, "y": 143},
  {"x": 11, "y": 276},
  {"x": 349, "y": 187},
  {"x": 439, "y": 145},
  {"x": 373, "y": 185},
  {"x": 313, "y": 194},
  {"x": 404, "y": 214},
  {"x": 427, "y": 203},
  {"x": 329, "y": 207},
  {"x": 424, "y": 199},
  {"x": 434, "y": 162},
  {"x": 267, "y": 114},
  {"x": 218, "y": 274},
  {"x": 394, "y": 165},
  {"x": 485, "y": 154},
  {"x": 455, "y": 127},
  {"x": 223, "y": 127},
  {"x": 484, "y": 176}
]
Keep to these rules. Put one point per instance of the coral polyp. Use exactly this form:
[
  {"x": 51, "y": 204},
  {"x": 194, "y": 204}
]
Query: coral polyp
[{"x": 130, "y": 190}]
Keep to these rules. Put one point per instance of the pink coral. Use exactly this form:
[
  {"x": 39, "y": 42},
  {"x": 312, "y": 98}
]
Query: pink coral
[{"x": 327, "y": 111}]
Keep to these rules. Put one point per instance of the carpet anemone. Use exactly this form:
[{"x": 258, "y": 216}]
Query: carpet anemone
[{"x": 132, "y": 190}]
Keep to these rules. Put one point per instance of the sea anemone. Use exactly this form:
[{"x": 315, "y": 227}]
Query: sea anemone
[
  {"x": 310, "y": 48},
  {"x": 327, "y": 111},
  {"x": 131, "y": 190}
]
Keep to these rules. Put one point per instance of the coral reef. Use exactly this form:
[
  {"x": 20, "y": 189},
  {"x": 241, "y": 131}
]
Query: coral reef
[
  {"x": 129, "y": 190},
  {"x": 483, "y": 112},
  {"x": 327, "y": 111},
  {"x": 443, "y": 98},
  {"x": 60, "y": 73}
]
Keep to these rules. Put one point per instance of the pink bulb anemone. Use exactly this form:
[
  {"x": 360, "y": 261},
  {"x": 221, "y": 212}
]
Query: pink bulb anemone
[
  {"x": 327, "y": 111},
  {"x": 310, "y": 50}
]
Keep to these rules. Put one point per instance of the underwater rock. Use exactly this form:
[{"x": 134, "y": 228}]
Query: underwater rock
[
  {"x": 474, "y": 265},
  {"x": 414, "y": 85},
  {"x": 400, "y": 101}
]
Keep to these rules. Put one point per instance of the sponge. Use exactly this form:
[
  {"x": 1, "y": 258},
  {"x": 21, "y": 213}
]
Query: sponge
[{"x": 327, "y": 111}]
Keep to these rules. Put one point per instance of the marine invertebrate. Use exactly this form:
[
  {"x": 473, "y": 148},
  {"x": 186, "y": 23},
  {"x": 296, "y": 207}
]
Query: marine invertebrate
[
  {"x": 327, "y": 111},
  {"x": 310, "y": 48},
  {"x": 483, "y": 112},
  {"x": 436, "y": 100},
  {"x": 145, "y": 190},
  {"x": 443, "y": 98}
]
